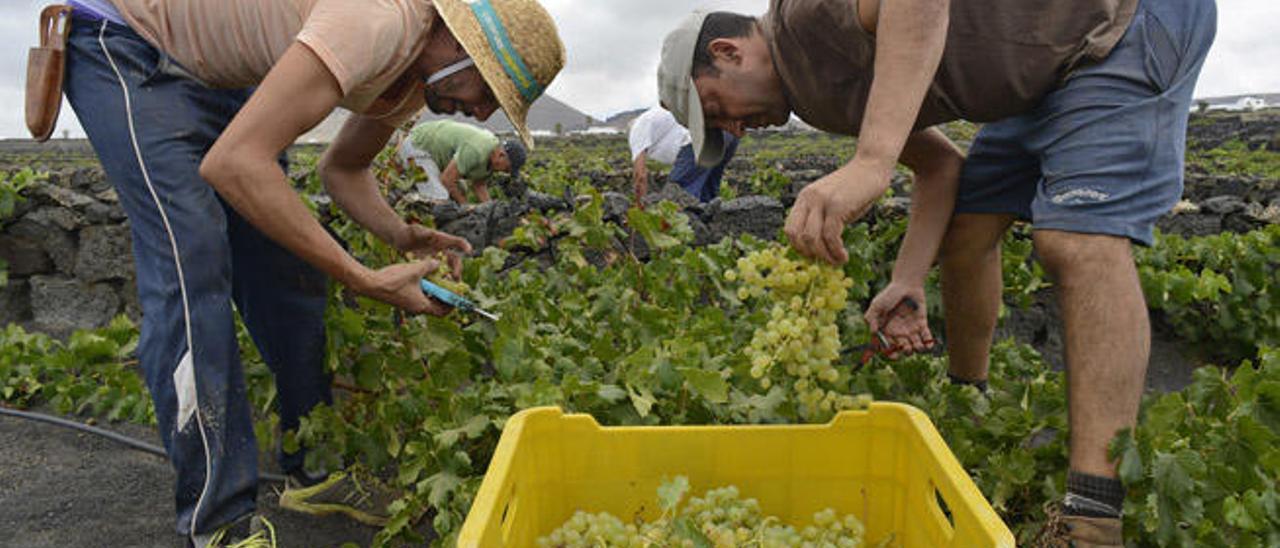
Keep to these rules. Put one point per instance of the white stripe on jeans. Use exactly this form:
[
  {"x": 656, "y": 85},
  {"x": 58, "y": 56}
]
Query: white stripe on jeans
[{"x": 182, "y": 284}]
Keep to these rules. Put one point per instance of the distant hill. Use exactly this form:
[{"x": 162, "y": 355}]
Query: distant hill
[
  {"x": 622, "y": 119},
  {"x": 1270, "y": 98},
  {"x": 544, "y": 116}
]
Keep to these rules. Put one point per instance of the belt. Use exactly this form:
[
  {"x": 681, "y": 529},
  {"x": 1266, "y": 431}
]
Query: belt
[{"x": 86, "y": 13}]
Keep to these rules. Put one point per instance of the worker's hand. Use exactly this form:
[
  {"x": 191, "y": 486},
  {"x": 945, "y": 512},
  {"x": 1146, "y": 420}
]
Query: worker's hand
[
  {"x": 817, "y": 220},
  {"x": 420, "y": 242},
  {"x": 899, "y": 312},
  {"x": 399, "y": 286}
]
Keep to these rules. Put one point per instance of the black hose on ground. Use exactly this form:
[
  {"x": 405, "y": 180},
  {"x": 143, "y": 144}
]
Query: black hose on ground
[{"x": 113, "y": 436}]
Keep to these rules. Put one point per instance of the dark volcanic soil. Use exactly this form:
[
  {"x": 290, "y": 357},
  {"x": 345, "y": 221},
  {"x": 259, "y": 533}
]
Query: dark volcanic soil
[{"x": 60, "y": 488}]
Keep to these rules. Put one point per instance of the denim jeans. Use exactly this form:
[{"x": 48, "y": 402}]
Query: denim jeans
[
  {"x": 195, "y": 257},
  {"x": 703, "y": 183},
  {"x": 1102, "y": 154}
]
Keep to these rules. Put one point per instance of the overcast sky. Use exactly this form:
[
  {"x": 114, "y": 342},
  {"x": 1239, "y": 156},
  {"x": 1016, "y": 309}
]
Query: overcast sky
[{"x": 613, "y": 48}]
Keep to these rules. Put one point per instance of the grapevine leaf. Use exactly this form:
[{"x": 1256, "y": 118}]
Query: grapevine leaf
[
  {"x": 393, "y": 441},
  {"x": 758, "y": 407},
  {"x": 641, "y": 399},
  {"x": 1237, "y": 515},
  {"x": 649, "y": 226},
  {"x": 708, "y": 384},
  {"x": 1174, "y": 473},
  {"x": 685, "y": 529},
  {"x": 439, "y": 336},
  {"x": 1130, "y": 469},
  {"x": 1267, "y": 406},
  {"x": 508, "y": 353},
  {"x": 671, "y": 491},
  {"x": 611, "y": 393},
  {"x": 439, "y": 486}
]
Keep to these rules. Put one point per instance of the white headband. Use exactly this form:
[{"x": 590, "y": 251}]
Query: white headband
[{"x": 449, "y": 70}]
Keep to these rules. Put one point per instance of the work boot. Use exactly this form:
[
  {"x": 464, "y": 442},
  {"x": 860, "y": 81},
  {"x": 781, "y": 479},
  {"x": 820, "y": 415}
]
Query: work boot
[
  {"x": 299, "y": 478},
  {"x": 250, "y": 531},
  {"x": 351, "y": 493},
  {"x": 1063, "y": 531}
]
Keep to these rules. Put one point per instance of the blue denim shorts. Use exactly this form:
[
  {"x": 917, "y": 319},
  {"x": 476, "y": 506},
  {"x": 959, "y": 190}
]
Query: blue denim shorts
[{"x": 1103, "y": 153}]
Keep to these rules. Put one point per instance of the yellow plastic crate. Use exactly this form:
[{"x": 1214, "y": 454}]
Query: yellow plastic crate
[{"x": 887, "y": 465}]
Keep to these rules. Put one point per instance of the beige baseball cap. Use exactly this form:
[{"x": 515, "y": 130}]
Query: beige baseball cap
[{"x": 680, "y": 96}]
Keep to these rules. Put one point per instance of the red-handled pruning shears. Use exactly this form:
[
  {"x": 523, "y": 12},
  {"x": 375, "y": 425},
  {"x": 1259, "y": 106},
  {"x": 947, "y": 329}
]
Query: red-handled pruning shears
[{"x": 879, "y": 343}]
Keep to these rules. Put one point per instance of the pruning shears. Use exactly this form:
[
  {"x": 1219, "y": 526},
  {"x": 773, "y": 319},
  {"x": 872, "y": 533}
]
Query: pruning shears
[
  {"x": 455, "y": 300},
  {"x": 879, "y": 344}
]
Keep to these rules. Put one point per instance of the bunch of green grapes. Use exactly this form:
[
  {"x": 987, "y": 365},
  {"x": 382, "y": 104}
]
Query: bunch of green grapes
[
  {"x": 592, "y": 530},
  {"x": 720, "y": 518},
  {"x": 443, "y": 276},
  {"x": 801, "y": 341}
]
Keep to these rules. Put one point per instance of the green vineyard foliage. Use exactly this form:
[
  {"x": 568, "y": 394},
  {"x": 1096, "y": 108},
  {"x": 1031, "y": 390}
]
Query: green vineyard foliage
[{"x": 590, "y": 326}]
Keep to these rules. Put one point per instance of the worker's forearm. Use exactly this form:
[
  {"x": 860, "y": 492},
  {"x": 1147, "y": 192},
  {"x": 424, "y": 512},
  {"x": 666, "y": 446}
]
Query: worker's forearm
[
  {"x": 259, "y": 190},
  {"x": 932, "y": 202},
  {"x": 356, "y": 191},
  {"x": 481, "y": 188},
  {"x": 450, "y": 182},
  {"x": 910, "y": 36},
  {"x": 936, "y": 162},
  {"x": 640, "y": 176}
]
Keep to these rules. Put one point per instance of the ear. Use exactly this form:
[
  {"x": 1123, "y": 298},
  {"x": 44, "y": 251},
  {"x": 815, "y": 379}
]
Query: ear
[{"x": 726, "y": 50}]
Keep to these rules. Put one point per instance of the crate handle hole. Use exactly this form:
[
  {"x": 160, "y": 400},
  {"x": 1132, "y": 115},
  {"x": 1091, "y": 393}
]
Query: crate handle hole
[
  {"x": 943, "y": 508},
  {"x": 506, "y": 521}
]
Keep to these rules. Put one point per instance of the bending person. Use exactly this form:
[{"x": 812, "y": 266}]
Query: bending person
[
  {"x": 190, "y": 105},
  {"x": 1085, "y": 104},
  {"x": 467, "y": 152},
  {"x": 656, "y": 134}
]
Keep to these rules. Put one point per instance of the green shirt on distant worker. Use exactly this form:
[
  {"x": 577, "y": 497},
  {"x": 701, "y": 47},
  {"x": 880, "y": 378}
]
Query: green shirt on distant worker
[
  {"x": 467, "y": 145},
  {"x": 451, "y": 151}
]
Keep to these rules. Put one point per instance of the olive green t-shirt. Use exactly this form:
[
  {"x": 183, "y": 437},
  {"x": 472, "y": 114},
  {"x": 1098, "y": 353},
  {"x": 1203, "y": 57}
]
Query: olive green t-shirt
[
  {"x": 467, "y": 145},
  {"x": 1001, "y": 56}
]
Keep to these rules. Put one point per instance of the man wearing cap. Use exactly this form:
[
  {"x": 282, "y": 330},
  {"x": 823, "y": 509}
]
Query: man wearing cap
[
  {"x": 189, "y": 104},
  {"x": 467, "y": 152},
  {"x": 1086, "y": 105},
  {"x": 656, "y": 134}
]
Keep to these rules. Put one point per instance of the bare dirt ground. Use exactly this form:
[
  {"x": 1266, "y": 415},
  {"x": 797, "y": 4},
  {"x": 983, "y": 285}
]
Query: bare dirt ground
[{"x": 60, "y": 488}]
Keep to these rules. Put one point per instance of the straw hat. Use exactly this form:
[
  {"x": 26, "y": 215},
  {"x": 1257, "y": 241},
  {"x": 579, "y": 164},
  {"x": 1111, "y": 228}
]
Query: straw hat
[{"x": 524, "y": 34}]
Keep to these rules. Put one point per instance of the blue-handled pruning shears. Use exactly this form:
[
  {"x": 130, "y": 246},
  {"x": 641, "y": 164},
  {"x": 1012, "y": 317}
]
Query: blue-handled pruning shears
[{"x": 455, "y": 300}]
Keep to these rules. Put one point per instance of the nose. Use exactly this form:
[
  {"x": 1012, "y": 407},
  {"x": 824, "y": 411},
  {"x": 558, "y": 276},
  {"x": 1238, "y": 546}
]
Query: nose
[
  {"x": 737, "y": 128},
  {"x": 483, "y": 112},
  {"x": 440, "y": 105}
]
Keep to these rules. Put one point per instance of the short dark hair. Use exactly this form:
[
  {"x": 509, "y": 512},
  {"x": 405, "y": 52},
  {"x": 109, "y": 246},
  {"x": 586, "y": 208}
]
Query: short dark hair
[
  {"x": 516, "y": 156},
  {"x": 718, "y": 24}
]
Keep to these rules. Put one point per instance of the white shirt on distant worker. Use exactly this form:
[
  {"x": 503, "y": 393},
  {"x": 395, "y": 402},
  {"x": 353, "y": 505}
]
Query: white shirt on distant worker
[{"x": 657, "y": 134}]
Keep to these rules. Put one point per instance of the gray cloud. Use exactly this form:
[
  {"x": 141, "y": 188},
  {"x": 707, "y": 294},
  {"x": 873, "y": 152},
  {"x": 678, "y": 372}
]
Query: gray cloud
[
  {"x": 1243, "y": 58},
  {"x": 613, "y": 48}
]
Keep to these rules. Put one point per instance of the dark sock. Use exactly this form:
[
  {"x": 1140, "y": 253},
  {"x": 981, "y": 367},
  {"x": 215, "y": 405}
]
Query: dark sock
[
  {"x": 303, "y": 478},
  {"x": 981, "y": 385},
  {"x": 1093, "y": 496}
]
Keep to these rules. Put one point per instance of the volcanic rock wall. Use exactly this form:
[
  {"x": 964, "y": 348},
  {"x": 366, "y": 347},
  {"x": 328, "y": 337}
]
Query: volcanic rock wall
[{"x": 70, "y": 265}]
